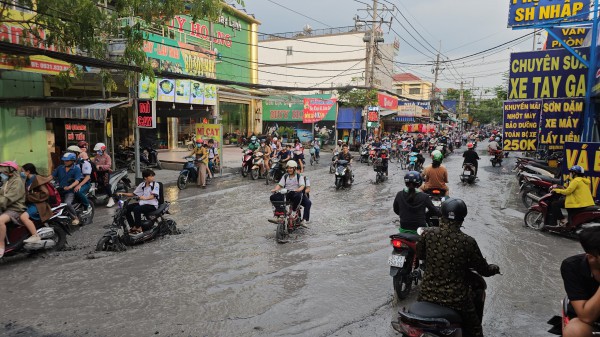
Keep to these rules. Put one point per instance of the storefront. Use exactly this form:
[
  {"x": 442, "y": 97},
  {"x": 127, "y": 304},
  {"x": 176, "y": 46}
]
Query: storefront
[{"x": 349, "y": 125}]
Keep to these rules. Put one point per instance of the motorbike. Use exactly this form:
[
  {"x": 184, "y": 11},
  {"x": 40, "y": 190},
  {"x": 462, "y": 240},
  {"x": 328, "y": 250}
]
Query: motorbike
[
  {"x": 426, "y": 319},
  {"x": 497, "y": 157},
  {"x": 190, "y": 143},
  {"x": 364, "y": 154},
  {"x": 567, "y": 313},
  {"x": 154, "y": 225},
  {"x": 372, "y": 156},
  {"x": 53, "y": 233},
  {"x": 314, "y": 159},
  {"x": 118, "y": 181},
  {"x": 86, "y": 218},
  {"x": 535, "y": 186},
  {"x": 537, "y": 217},
  {"x": 404, "y": 266},
  {"x": 288, "y": 220},
  {"x": 457, "y": 143},
  {"x": 148, "y": 159},
  {"x": 247, "y": 162},
  {"x": 258, "y": 164},
  {"x": 468, "y": 174},
  {"x": 340, "y": 175},
  {"x": 437, "y": 196},
  {"x": 333, "y": 165},
  {"x": 188, "y": 173},
  {"x": 276, "y": 172},
  {"x": 413, "y": 165},
  {"x": 124, "y": 156},
  {"x": 379, "y": 171}
]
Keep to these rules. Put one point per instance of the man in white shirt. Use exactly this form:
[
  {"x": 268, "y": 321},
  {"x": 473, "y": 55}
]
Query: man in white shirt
[
  {"x": 148, "y": 193},
  {"x": 295, "y": 184}
]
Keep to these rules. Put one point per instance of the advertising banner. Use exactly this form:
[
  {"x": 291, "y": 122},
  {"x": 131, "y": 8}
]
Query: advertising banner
[
  {"x": 166, "y": 90},
  {"x": 315, "y": 109},
  {"x": 521, "y": 119},
  {"x": 561, "y": 121},
  {"x": 210, "y": 94},
  {"x": 147, "y": 88},
  {"x": 373, "y": 114},
  {"x": 182, "y": 91},
  {"x": 529, "y": 12},
  {"x": 547, "y": 74},
  {"x": 210, "y": 131},
  {"x": 197, "y": 92},
  {"x": 290, "y": 108},
  {"x": 573, "y": 37},
  {"x": 146, "y": 118},
  {"x": 387, "y": 102},
  {"x": 584, "y": 155}
]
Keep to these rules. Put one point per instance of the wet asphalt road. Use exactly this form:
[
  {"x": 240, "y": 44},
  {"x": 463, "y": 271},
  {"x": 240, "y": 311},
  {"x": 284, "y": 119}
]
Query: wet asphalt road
[{"x": 226, "y": 276}]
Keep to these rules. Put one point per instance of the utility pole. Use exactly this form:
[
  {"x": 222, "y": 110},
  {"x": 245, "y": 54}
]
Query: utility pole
[
  {"x": 461, "y": 106},
  {"x": 371, "y": 50},
  {"x": 435, "y": 79}
]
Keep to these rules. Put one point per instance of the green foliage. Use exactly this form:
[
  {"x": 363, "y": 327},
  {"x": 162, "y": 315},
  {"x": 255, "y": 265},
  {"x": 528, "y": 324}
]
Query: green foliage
[
  {"x": 285, "y": 131},
  {"x": 454, "y": 95},
  {"x": 489, "y": 110},
  {"x": 358, "y": 97},
  {"x": 85, "y": 26}
]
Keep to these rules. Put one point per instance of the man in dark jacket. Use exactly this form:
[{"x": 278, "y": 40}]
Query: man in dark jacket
[
  {"x": 471, "y": 157},
  {"x": 449, "y": 255},
  {"x": 410, "y": 204}
]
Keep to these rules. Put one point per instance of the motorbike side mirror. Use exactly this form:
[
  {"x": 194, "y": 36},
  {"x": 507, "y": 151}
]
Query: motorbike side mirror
[{"x": 420, "y": 230}]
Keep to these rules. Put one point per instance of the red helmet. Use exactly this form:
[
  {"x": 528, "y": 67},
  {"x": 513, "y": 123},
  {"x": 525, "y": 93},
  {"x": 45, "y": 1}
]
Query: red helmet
[
  {"x": 470, "y": 146},
  {"x": 82, "y": 143},
  {"x": 199, "y": 141},
  {"x": 494, "y": 132}
]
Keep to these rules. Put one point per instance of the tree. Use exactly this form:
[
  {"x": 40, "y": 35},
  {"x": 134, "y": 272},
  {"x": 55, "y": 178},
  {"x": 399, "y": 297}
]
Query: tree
[
  {"x": 490, "y": 110},
  {"x": 358, "y": 97},
  {"x": 86, "y": 26},
  {"x": 454, "y": 95}
]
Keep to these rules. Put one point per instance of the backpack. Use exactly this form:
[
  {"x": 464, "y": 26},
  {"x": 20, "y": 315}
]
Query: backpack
[
  {"x": 94, "y": 174},
  {"x": 161, "y": 195},
  {"x": 53, "y": 195},
  {"x": 285, "y": 176}
]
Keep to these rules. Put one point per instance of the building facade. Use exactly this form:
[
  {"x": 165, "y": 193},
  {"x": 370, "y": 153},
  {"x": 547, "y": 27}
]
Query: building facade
[{"x": 411, "y": 87}]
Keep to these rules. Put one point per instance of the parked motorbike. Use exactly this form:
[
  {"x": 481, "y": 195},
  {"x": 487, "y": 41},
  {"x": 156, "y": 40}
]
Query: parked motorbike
[
  {"x": 364, "y": 153},
  {"x": 276, "y": 172},
  {"x": 340, "y": 175},
  {"x": 287, "y": 221},
  {"x": 247, "y": 162},
  {"x": 154, "y": 225},
  {"x": 425, "y": 319},
  {"x": 379, "y": 171},
  {"x": 437, "y": 196},
  {"x": 148, "y": 159},
  {"x": 535, "y": 186},
  {"x": 124, "y": 156},
  {"x": 537, "y": 217},
  {"x": 53, "y": 233},
  {"x": 404, "y": 266},
  {"x": 333, "y": 165},
  {"x": 497, "y": 157},
  {"x": 119, "y": 182},
  {"x": 468, "y": 174},
  {"x": 190, "y": 142},
  {"x": 188, "y": 173},
  {"x": 567, "y": 313}
]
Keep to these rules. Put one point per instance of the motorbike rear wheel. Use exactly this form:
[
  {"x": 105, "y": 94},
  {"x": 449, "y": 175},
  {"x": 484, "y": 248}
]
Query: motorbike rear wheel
[
  {"x": 182, "y": 182},
  {"x": 402, "y": 285},
  {"x": 493, "y": 163},
  {"x": 88, "y": 219},
  {"x": 281, "y": 234},
  {"x": 411, "y": 167},
  {"x": 254, "y": 174},
  {"x": 105, "y": 244},
  {"x": 534, "y": 220}
]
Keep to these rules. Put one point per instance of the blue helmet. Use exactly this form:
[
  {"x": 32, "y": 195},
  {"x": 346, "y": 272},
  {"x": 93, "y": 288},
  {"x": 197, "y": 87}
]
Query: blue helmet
[
  {"x": 577, "y": 169},
  {"x": 413, "y": 177},
  {"x": 69, "y": 156}
]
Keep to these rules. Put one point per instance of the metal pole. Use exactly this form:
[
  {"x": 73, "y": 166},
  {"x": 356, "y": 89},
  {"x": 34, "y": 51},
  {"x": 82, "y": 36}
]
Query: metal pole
[
  {"x": 138, "y": 173},
  {"x": 589, "y": 118}
]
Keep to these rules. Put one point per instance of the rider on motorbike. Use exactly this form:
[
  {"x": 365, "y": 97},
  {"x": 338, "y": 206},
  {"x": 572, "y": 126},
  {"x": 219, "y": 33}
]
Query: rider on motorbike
[
  {"x": 266, "y": 151},
  {"x": 578, "y": 196},
  {"x": 68, "y": 177},
  {"x": 12, "y": 200},
  {"x": 581, "y": 275},
  {"x": 436, "y": 175},
  {"x": 338, "y": 148},
  {"x": 493, "y": 146},
  {"x": 449, "y": 254},
  {"x": 86, "y": 171},
  {"x": 410, "y": 204},
  {"x": 253, "y": 145},
  {"x": 384, "y": 155},
  {"x": 147, "y": 192},
  {"x": 295, "y": 184},
  {"x": 471, "y": 157},
  {"x": 345, "y": 155},
  {"x": 103, "y": 164}
]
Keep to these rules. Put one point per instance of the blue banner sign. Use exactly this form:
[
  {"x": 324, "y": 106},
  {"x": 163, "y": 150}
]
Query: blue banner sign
[
  {"x": 547, "y": 74},
  {"x": 584, "y": 155},
  {"x": 530, "y": 12},
  {"x": 561, "y": 121},
  {"x": 521, "y": 120},
  {"x": 572, "y": 36}
]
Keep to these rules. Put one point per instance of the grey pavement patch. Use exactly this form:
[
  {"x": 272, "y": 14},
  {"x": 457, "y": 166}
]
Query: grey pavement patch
[{"x": 513, "y": 213}]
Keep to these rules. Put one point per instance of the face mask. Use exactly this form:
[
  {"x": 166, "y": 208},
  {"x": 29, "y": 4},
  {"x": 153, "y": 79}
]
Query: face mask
[
  {"x": 3, "y": 176},
  {"x": 99, "y": 153},
  {"x": 23, "y": 175}
]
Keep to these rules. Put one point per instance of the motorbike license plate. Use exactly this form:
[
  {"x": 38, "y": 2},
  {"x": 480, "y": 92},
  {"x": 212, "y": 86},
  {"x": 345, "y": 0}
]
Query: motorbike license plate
[
  {"x": 397, "y": 261},
  {"x": 436, "y": 203},
  {"x": 467, "y": 173}
]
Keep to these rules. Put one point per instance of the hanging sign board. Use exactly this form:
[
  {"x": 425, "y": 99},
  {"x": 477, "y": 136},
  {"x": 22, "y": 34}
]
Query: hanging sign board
[
  {"x": 584, "y": 155},
  {"x": 531, "y": 12},
  {"x": 521, "y": 119},
  {"x": 573, "y": 37},
  {"x": 75, "y": 132},
  {"x": 146, "y": 118},
  {"x": 561, "y": 121},
  {"x": 315, "y": 109},
  {"x": 373, "y": 114}
]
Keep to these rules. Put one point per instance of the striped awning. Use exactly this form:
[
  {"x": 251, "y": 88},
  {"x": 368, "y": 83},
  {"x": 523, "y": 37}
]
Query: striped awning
[
  {"x": 404, "y": 119},
  {"x": 70, "y": 110}
]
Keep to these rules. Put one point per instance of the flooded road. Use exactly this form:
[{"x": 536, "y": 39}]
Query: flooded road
[{"x": 226, "y": 276}]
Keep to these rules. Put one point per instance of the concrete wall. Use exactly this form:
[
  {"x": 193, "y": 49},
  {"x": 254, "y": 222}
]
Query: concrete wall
[{"x": 22, "y": 139}]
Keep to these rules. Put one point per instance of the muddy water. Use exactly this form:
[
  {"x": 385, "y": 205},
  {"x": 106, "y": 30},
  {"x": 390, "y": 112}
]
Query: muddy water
[{"x": 226, "y": 276}]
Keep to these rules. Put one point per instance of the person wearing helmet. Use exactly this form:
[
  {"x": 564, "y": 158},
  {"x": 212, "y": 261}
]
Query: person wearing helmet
[
  {"x": 411, "y": 204},
  {"x": 12, "y": 199},
  {"x": 200, "y": 152},
  {"x": 347, "y": 156},
  {"x": 103, "y": 164},
  {"x": 86, "y": 171},
  {"x": 295, "y": 184},
  {"x": 338, "y": 147},
  {"x": 253, "y": 145},
  {"x": 471, "y": 157},
  {"x": 265, "y": 149},
  {"x": 578, "y": 196},
  {"x": 450, "y": 255},
  {"x": 68, "y": 176},
  {"x": 435, "y": 175},
  {"x": 384, "y": 155},
  {"x": 299, "y": 154},
  {"x": 493, "y": 146}
]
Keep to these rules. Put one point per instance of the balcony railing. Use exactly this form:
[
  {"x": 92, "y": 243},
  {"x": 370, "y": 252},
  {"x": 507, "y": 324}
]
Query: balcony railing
[{"x": 311, "y": 32}]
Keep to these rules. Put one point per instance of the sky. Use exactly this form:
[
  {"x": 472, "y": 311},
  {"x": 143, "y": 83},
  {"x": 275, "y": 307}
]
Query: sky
[{"x": 463, "y": 27}]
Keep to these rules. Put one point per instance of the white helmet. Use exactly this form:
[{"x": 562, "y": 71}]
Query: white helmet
[
  {"x": 100, "y": 147},
  {"x": 292, "y": 163},
  {"x": 274, "y": 139},
  {"x": 74, "y": 148},
  {"x": 497, "y": 139}
]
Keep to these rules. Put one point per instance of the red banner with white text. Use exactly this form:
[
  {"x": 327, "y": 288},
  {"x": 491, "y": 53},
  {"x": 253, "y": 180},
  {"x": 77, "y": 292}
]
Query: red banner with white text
[
  {"x": 387, "y": 102},
  {"x": 315, "y": 109}
]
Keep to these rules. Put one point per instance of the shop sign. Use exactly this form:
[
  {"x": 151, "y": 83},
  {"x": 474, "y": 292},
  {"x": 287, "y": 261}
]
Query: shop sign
[
  {"x": 210, "y": 94},
  {"x": 409, "y": 110},
  {"x": 11, "y": 31},
  {"x": 288, "y": 108},
  {"x": 147, "y": 88},
  {"x": 207, "y": 131},
  {"x": 373, "y": 114},
  {"x": 561, "y": 121},
  {"x": 146, "y": 116},
  {"x": 179, "y": 57},
  {"x": 387, "y": 102},
  {"x": 182, "y": 91},
  {"x": 315, "y": 109},
  {"x": 572, "y": 36},
  {"x": 166, "y": 90},
  {"x": 584, "y": 155},
  {"x": 547, "y": 74},
  {"x": 530, "y": 12},
  {"x": 75, "y": 132},
  {"x": 521, "y": 125},
  {"x": 196, "y": 92}
]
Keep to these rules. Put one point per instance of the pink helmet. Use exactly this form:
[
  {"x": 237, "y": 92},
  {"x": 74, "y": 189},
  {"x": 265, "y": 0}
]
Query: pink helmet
[{"x": 11, "y": 164}]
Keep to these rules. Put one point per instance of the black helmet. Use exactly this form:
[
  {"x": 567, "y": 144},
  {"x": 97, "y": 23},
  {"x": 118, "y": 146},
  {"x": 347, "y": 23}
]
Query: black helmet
[
  {"x": 413, "y": 177},
  {"x": 454, "y": 209}
]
